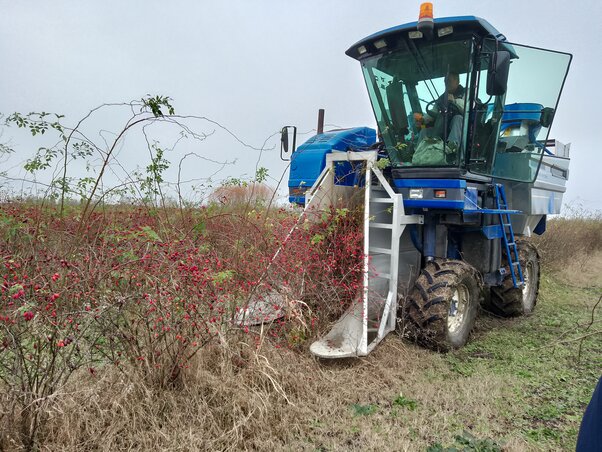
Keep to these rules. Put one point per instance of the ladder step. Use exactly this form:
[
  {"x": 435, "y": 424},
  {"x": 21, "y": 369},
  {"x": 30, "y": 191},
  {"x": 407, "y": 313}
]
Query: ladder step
[
  {"x": 508, "y": 236},
  {"x": 381, "y": 225},
  {"x": 389, "y": 200},
  {"x": 376, "y": 250},
  {"x": 381, "y": 275}
]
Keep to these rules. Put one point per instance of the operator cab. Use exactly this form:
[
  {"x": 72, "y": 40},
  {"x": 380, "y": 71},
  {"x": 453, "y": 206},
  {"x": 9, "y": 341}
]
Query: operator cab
[{"x": 456, "y": 100}]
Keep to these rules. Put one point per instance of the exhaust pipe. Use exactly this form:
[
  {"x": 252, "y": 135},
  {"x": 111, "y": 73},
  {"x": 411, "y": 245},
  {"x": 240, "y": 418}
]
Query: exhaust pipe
[{"x": 320, "y": 121}]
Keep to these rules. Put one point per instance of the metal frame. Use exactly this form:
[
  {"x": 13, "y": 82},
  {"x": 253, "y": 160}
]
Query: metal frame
[{"x": 350, "y": 335}]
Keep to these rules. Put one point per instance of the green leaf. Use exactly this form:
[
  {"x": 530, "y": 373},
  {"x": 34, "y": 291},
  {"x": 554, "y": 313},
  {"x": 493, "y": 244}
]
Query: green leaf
[
  {"x": 223, "y": 276},
  {"x": 150, "y": 234},
  {"x": 200, "y": 228},
  {"x": 317, "y": 239}
]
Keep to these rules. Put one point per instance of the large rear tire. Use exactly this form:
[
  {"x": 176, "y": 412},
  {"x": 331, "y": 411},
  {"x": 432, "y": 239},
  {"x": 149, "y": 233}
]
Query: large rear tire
[
  {"x": 440, "y": 311},
  {"x": 509, "y": 301}
]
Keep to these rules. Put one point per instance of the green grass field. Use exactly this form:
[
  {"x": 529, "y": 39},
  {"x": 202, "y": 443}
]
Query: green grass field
[
  {"x": 550, "y": 372},
  {"x": 520, "y": 384}
]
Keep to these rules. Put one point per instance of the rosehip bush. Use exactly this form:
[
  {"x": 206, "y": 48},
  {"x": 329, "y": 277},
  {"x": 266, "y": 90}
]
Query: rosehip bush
[
  {"x": 43, "y": 340},
  {"x": 145, "y": 290},
  {"x": 317, "y": 273}
]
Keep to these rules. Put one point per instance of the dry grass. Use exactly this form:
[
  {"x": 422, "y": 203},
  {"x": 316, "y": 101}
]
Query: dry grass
[
  {"x": 283, "y": 400},
  {"x": 583, "y": 271},
  {"x": 571, "y": 239},
  {"x": 280, "y": 400}
]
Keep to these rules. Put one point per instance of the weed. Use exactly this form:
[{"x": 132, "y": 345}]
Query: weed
[
  {"x": 404, "y": 402},
  {"x": 468, "y": 443},
  {"x": 363, "y": 410}
]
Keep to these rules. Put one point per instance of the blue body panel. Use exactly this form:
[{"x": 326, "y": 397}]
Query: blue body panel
[
  {"x": 471, "y": 199},
  {"x": 541, "y": 226},
  {"x": 493, "y": 231},
  {"x": 433, "y": 204},
  {"x": 515, "y": 114},
  {"x": 308, "y": 161},
  {"x": 434, "y": 184},
  {"x": 430, "y": 183},
  {"x": 468, "y": 202}
]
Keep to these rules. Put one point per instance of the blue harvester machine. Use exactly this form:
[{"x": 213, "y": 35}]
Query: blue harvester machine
[{"x": 460, "y": 170}]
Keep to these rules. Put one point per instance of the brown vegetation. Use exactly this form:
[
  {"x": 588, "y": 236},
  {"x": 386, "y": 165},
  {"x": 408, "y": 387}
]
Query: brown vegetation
[
  {"x": 242, "y": 194},
  {"x": 276, "y": 400},
  {"x": 572, "y": 247}
]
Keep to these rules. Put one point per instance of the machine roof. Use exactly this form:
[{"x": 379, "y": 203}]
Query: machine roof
[{"x": 468, "y": 22}]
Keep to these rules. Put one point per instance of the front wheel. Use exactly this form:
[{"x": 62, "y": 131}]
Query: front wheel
[{"x": 440, "y": 311}]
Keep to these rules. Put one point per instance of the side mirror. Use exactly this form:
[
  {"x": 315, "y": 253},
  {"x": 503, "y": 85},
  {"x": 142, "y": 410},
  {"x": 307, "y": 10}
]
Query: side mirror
[
  {"x": 547, "y": 116},
  {"x": 288, "y": 134},
  {"x": 497, "y": 75}
]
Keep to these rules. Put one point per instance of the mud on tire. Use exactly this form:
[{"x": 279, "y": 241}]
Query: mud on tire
[
  {"x": 509, "y": 301},
  {"x": 441, "y": 309}
]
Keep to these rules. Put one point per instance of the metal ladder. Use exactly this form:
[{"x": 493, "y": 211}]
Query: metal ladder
[
  {"x": 374, "y": 314},
  {"x": 508, "y": 236}
]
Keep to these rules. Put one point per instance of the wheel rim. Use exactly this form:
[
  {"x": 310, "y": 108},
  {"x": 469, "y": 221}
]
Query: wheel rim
[
  {"x": 457, "y": 309},
  {"x": 528, "y": 286}
]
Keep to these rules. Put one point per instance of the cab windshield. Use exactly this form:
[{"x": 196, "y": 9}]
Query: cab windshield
[{"x": 420, "y": 100}]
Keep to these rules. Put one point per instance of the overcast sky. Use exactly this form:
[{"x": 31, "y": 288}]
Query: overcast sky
[{"x": 254, "y": 66}]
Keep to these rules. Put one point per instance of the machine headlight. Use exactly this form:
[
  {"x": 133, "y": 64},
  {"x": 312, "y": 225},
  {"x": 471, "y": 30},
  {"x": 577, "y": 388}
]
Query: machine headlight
[
  {"x": 445, "y": 31},
  {"x": 416, "y": 193},
  {"x": 380, "y": 44}
]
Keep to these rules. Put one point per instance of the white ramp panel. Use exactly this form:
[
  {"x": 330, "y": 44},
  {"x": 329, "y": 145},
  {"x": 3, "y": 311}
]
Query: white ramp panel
[{"x": 373, "y": 316}]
